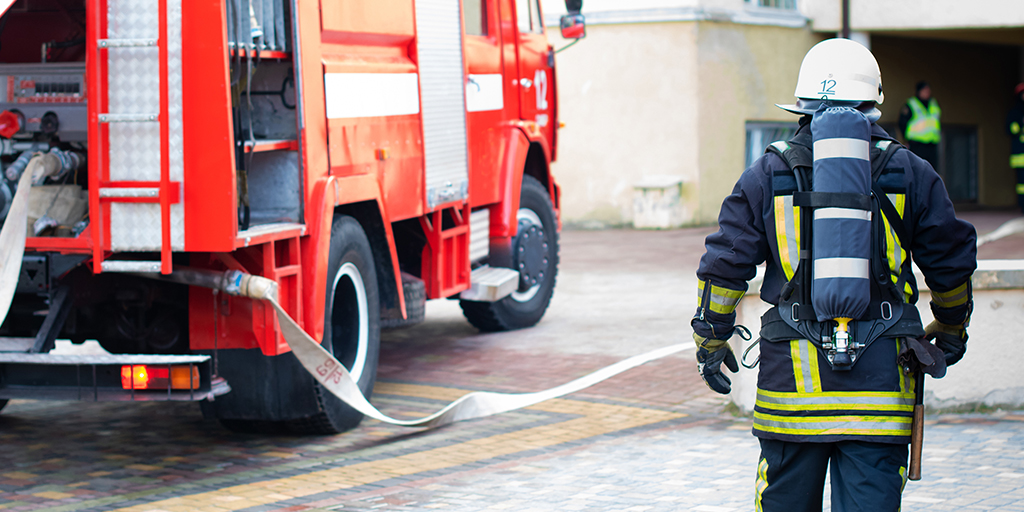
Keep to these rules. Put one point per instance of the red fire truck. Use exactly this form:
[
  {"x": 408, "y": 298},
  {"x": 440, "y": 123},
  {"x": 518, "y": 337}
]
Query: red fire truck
[{"x": 367, "y": 155}]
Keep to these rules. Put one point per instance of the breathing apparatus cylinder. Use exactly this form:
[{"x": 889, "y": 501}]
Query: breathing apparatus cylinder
[{"x": 841, "y": 248}]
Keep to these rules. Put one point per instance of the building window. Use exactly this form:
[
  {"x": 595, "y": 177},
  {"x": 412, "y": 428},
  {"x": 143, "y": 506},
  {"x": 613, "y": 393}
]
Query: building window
[
  {"x": 528, "y": 17},
  {"x": 475, "y": 13},
  {"x": 761, "y": 134},
  {"x": 789, "y": 5}
]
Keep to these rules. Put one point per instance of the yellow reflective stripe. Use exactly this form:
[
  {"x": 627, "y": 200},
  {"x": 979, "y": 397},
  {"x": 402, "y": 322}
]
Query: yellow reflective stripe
[
  {"x": 723, "y": 300},
  {"x": 798, "y": 373},
  {"x": 761, "y": 484},
  {"x": 1020, "y": 187},
  {"x": 1017, "y": 161},
  {"x": 837, "y": 394},
  {"x": 903, "y": 475},
  {"x": 813, "y": 366},
  {"x": 805, "y": 366},
  {"x": 833, "y": 425},
  {"x": 835, "y": 407},
  {"x": 787, "y": 234},
  {"x": 1015, "y": 127},
  {"x": 956, "y": 297},
  {"x": 811, "y": 402}
]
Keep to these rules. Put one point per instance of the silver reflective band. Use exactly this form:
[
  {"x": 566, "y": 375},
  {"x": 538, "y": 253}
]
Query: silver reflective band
[
  {"x": 841, "y": 148},
  {"x": 841, "y": 213},
  {"x": 719, "y": 299},
  {"x": 829, "y": 268}
]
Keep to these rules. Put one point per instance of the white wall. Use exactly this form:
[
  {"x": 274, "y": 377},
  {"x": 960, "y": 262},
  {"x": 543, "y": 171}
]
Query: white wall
[{"x": 627, "y": 95}]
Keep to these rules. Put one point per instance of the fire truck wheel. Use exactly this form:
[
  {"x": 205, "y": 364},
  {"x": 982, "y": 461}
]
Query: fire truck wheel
[
  {"x": 535, "y": 255},
  {"x": 351, "y": 325}
]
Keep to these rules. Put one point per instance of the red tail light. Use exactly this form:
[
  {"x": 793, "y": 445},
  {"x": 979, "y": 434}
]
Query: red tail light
[{"x": 159, "y": 377}]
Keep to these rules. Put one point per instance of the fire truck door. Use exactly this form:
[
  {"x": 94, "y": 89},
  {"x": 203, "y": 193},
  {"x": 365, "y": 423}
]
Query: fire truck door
[
  {"x": 535, "y": 76},
  {"x": 485, "y": 99}
]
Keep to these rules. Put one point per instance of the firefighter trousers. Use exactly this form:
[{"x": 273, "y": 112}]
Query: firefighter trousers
[{"x": 865, "y": 476}]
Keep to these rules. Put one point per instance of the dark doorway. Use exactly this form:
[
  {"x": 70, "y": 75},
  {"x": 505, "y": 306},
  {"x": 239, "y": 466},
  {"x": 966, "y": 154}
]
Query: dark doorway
[{"x": 959, "y": 167}]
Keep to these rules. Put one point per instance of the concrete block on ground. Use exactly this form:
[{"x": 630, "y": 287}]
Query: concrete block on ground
[{"x": 658, "y": 203}]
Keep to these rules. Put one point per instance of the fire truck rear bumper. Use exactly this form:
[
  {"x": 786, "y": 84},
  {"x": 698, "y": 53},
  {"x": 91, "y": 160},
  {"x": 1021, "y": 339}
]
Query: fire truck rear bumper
[{"x": 109, "y": 378}]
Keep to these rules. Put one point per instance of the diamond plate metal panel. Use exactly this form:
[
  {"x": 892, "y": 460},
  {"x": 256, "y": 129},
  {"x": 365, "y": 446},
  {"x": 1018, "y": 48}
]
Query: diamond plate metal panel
[
  {"x": 135, "y": 227},
  {"x": 175, "y": 139},
  {"x": 133, "y": 87},
  {"x": 442, "y": 89},
  {"x": 134, "y": 148}
]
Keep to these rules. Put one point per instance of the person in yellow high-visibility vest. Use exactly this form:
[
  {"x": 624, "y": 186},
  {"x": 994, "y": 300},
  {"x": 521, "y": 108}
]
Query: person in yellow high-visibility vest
[
  {"x": 919, "y": 124},
  {"x": 1015, "y": 127}
]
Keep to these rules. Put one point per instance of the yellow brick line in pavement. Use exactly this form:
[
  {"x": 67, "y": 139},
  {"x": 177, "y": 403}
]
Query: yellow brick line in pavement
[{"x": 594, "y": 419}]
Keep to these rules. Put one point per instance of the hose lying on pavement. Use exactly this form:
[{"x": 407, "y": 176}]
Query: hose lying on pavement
[
  {"x": 317, "y": 361},
  {"x": 334, "y": 377}
]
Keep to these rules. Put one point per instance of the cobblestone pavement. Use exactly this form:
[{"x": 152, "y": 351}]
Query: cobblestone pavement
[{"x": 653, "y": 438}]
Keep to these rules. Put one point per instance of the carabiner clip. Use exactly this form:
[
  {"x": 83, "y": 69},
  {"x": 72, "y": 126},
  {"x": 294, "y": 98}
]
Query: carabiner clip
[{"x": 743, "y": 359}]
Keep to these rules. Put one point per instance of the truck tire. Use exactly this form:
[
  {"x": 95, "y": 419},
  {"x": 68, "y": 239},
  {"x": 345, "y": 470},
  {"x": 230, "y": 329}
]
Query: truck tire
[
  {"x": 535, "y": 254},
  {"x": 415, "y": 292},
  {"x": 276, "y": 395},
  {"x": 351, "y": 326}
]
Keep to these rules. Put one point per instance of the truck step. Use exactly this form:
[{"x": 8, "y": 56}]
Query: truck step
[
  {"x": 491, "y": 284},
  {"x": 109, "y": 377},
  {"x": 131, "y": 266},
  {"x": 128, "y": 118},
  {"x": 126, "y": 43},
  {"x": 16, "y": 344}
]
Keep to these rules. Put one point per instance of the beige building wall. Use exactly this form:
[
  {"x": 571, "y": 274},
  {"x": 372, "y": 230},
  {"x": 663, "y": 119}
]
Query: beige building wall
[
  {"x": 671, "y": 98},
  {"x": 744, "y": 71},
  {"x": 627, "y": 95}
]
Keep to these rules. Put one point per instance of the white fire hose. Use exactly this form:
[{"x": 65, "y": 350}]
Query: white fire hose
[
  {"x": 334, "y": 377},
  {"x": 330, "y": 373},
  {"x": 12, "y": 236}
]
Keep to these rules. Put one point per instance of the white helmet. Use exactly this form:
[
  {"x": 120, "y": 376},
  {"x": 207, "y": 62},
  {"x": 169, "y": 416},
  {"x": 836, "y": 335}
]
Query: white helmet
[{"x": 837, "y": 70}]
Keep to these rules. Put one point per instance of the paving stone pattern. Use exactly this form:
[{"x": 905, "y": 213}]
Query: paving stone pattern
[{"x": 651, "y": 439}]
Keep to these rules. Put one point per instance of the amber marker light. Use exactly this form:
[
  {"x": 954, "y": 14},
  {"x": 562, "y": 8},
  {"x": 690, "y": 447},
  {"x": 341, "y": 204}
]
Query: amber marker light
[{"x": 159, "y": 377}]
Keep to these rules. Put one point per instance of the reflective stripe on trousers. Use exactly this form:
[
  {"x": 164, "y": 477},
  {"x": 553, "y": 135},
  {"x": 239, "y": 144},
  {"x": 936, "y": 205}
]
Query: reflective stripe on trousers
[{"x": 799, "y": 396}]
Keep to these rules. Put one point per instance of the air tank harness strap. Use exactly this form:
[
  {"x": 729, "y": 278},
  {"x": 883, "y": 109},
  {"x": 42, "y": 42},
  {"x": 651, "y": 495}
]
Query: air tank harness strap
[{"x": 775, "y": 329}]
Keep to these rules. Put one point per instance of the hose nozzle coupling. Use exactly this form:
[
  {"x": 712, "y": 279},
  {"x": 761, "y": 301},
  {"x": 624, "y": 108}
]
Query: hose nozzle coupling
[
  {"x": 231, "y": 282},
  {"x": 240, "y": 284}
]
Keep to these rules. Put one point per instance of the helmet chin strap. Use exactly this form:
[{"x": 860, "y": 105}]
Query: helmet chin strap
[{"x": 808, "y": 107}]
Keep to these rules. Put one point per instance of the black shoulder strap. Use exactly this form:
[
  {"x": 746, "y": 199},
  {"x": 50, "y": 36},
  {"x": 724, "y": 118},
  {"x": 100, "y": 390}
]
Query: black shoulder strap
[
  {"x": 795, "y": 155},
  {"x": 887, "y": 149}
]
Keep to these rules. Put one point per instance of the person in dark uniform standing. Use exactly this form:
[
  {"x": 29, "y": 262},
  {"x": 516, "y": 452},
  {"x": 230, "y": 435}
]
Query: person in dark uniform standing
[
  {"x": 1015, "y": 128},
  {"x": 810, "y": 417},
  {"x": 920, "y": 125}
]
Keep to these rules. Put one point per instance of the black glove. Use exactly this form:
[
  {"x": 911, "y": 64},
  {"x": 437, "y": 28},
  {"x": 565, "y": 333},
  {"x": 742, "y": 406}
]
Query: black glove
[
  {"x": 710, "y": 355},
  {"x": 951, "y": 339}
]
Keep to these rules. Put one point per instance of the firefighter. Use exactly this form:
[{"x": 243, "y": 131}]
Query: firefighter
[
  {"x": 810, "y": 415},
  {"x": 919, "y": 124},
  {"x": 1015, "y": 128}
]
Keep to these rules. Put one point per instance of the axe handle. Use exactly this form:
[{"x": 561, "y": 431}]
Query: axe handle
[{"x": 917, "y": 431}]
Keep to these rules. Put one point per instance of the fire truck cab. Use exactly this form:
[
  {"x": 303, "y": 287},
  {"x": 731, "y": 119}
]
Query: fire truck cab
[{"x": 366, "y": 155}]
